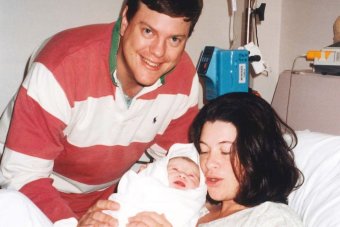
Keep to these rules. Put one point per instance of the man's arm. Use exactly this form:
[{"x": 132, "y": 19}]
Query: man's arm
[{"x": 34, "y": 141}]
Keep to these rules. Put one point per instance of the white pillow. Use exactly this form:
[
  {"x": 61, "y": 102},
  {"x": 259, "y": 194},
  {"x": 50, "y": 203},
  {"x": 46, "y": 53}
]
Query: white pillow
[{"x": 317, "y": 201}]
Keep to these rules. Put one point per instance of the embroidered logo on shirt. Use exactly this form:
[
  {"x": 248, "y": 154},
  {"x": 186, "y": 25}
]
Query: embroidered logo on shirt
[{"x": 154, "y": 120}]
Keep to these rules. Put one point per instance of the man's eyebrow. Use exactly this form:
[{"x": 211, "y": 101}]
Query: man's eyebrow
[{"x": 143, "y": 23}]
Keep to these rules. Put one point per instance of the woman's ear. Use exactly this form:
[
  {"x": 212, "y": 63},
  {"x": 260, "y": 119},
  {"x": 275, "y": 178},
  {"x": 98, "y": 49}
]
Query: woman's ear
[{"x": 124, "y": 22}]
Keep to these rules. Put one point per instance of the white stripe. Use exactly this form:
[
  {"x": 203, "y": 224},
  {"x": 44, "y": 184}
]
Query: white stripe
[
  {"x": 5, "y": 122},
  {"x": 18, "y": 169},
  {"x": 108, "y": 122},
  {"x": 67, "y": 185},
  {"x": 44, "y": 89}
]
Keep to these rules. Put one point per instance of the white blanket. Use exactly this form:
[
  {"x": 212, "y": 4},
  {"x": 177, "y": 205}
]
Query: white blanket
[
  {"x": 16, "y": 210},
  {"x": 149, "y": 191}
]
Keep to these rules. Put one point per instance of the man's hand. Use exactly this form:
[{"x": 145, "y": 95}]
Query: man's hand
[
  {"x": 96, "y": 218},
  {"x": 148, "y": 219}
]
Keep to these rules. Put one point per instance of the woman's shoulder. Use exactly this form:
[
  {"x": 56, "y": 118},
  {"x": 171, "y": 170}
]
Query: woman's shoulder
[
  {"x": 268, "y": 214},
  {"x": 274, "y": 214}
]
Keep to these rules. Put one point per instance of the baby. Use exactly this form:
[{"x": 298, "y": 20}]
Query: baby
[
  {"x": 173, "y": 186},
  {"x": 183, "y": 173}
]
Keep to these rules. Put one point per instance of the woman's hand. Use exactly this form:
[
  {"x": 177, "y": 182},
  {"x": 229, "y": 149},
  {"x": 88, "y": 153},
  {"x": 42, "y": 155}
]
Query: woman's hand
[
  {"x": 96, "y": 218},
  {"x": 148, "y": 219}
]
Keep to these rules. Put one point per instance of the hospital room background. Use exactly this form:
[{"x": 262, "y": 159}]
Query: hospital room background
[{"x": 290, "y": 28}]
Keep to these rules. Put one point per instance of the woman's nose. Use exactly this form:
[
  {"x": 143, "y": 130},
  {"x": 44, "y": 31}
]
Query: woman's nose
[{"x": 211, "y": 162}]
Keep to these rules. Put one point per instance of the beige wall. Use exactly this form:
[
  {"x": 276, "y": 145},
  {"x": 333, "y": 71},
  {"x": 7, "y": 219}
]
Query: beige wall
[{"x": 290, "y": 28}]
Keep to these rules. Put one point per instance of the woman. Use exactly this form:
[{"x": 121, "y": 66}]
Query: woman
[{"x": 248, "y": 165}]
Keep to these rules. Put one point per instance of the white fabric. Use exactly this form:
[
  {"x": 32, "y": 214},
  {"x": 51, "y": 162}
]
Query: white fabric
[
  {"x": 149, "y": 191},
  {"x": 317, "y": 201},
  {"x": 267, "y": 214},
  {"x": 69, "y": 222},
  {"x": 16, "y": 210},
  {"x": 4, "y": 124}
]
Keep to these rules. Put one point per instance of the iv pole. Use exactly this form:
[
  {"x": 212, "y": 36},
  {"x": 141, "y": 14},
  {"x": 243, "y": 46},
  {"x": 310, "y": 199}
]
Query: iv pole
[{"x": 248, "y": 23}]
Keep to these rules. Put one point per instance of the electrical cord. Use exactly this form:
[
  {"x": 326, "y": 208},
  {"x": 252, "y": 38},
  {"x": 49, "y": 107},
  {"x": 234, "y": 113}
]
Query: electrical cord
[{"x": 290, "y": 84}]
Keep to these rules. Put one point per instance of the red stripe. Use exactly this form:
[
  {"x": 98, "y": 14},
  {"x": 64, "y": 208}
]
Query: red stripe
[
  {"x": 79, "y": 60},
  {"x": 33, "y": 131},
  {"x": 48, "y": 199},
  {"x": 97, "y": 164}
]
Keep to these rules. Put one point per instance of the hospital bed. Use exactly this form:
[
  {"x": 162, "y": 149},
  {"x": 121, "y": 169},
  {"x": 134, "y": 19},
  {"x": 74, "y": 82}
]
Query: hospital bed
[{"x": 310, "y": 104}]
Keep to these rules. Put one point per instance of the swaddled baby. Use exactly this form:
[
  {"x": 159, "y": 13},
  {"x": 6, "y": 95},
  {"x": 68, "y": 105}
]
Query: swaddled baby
[{"x": 173, "y": 186}]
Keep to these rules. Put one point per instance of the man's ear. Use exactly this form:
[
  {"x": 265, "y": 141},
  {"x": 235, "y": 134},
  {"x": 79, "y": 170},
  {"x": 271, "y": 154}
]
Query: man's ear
[{"x": 124, "y": 22}]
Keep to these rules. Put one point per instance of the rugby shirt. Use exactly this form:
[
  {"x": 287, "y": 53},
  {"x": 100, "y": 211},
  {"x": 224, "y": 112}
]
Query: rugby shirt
[{"x": 72, "y": 135}]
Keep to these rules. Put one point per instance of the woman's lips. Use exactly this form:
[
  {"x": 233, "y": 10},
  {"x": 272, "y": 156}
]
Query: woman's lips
[{"x": 212, "y": 181}]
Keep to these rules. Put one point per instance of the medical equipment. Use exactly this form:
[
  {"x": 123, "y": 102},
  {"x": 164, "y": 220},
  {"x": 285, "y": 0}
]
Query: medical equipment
[
  {"x": 223, "y": 71},
  {"x": 326, "y": 60}
]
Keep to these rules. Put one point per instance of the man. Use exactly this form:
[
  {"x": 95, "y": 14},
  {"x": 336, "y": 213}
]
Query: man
[{"x": 94, "y": 99}]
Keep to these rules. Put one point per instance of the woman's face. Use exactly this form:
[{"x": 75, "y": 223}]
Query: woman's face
[{"x": 215, "y": 144}]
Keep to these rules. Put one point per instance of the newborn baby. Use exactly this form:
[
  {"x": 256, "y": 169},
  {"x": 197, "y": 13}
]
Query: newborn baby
[{"x": 173, "y": 186}]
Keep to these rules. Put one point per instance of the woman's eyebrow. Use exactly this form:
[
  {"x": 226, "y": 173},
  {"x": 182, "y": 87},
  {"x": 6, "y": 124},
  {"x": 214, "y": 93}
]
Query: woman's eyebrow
[{"x": 221, "y": 142}]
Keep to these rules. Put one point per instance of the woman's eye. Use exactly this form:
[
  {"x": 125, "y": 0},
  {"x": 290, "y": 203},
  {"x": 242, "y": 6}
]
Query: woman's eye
[
  {"x": 203, "y": 152},
  {"x": 226, "y": 149}
]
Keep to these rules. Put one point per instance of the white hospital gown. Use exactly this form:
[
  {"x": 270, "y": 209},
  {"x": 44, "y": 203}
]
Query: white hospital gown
[{"x": 268, "y": 214}]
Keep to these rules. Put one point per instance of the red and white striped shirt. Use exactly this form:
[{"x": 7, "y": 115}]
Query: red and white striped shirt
[{"x": 72, "y": 135}]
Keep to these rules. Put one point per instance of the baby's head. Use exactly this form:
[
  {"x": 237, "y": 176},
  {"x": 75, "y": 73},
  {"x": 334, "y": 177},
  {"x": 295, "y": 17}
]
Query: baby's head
[{"x": 183, "y": 173}]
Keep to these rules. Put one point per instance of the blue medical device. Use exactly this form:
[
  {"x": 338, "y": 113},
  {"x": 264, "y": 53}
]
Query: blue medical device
[{"x": 223, "y": 71}]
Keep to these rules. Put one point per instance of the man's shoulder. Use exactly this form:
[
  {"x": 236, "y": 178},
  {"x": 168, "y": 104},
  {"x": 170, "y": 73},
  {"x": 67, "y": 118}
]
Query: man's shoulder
[
  {"x": 86, "y": 31},
  {"x": 74, "y": 40}
]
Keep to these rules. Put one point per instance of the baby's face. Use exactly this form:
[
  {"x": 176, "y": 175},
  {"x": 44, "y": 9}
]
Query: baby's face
[{"x": 183, "y": 174}]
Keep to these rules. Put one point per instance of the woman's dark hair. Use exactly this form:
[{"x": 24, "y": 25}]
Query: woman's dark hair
[
  {"x": 266, "y": 167},
  {"x": 190, "y": 9}
]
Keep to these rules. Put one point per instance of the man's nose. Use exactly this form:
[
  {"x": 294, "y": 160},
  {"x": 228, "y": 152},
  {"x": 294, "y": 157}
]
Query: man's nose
[{"x": 158, "y": 47}]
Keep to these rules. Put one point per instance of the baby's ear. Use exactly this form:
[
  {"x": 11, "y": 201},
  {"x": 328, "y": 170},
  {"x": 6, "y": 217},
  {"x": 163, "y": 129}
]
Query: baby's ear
[{"x": 143, "y": 166}]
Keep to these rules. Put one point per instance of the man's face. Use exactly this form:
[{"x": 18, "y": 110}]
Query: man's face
[{"x": 151, "y": 44}]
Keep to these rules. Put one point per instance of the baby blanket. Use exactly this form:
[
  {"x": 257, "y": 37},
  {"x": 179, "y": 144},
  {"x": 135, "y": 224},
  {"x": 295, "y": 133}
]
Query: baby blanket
[{"x": 149, "y": 190}]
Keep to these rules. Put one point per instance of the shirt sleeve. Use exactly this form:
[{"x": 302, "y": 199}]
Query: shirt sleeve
[{"x": 34, "y": 140}]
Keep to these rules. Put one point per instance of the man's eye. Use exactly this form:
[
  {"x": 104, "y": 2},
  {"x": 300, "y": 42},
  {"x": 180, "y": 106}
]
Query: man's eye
[
  {"x": 147, "y": 31},
  {"x": 175, "y": 41}
]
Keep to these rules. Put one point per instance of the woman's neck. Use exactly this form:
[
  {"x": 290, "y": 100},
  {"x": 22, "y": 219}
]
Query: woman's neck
[
  {"x": 222, "y": 210},
  {"x": 230, "y": 207}
]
